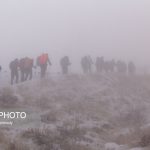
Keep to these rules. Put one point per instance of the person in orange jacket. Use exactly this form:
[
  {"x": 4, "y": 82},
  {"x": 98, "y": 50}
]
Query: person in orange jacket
[{"x": 42, "y": 61}]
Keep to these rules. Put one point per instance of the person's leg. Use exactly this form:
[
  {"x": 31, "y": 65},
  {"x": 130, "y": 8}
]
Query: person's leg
[
  {"x": 12, "y": 77},
  {"x": 42, "y": 71},
  {"x": 26, "y": 74},
  {"x": 22, "y": 75},
  {"x": 66, "y": 69},
  {"x": 30, "y": 74},
  {"x": 63, "y": 70},
  {"x": 17, "y": 76}
]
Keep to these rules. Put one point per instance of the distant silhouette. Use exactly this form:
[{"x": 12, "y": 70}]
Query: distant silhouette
[
  {"x": 14, "y": 70},
  {"x": 99, "y": 64},
  {"x": 109, "y": 66},
  {"x": 65, "y": 63},
  {"x": 42, "y": 62},
  {"x": 131, "y": 68},
  {"x": 121, "y": 67},
  {"x": 112, "y": 65},
  {"x": 86, "y": 63},
  {"x": 106, "y": 66}
]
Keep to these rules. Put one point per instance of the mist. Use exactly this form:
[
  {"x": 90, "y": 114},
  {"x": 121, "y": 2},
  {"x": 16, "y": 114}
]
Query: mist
[
  {"x": 77, "y": 103},
  {"x": 113, "y": 29}
]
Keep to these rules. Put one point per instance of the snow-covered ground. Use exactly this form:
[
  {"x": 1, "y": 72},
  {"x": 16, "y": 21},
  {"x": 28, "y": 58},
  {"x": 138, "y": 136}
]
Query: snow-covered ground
[{"x": 78, "y": 112}]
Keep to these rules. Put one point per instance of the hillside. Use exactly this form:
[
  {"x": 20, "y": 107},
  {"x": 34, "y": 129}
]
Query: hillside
[{"x": 78, "y": 112}]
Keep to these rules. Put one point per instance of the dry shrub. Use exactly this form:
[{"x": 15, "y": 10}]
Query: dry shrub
[
  {"x": 144, "y": 137},
  {"x": 63, "y": 139},
  {"x": 8, "y": 144},
  {"x": 41, "y": 137},
  {"x": 132, "y": 118},
  {"x": 145, "y": 141},
  {"x": 16, "y": 145},
  {"x": 72, "y": 132},
  {"x": 130, "y": 123},
  {"x": 139, "y": 137}
]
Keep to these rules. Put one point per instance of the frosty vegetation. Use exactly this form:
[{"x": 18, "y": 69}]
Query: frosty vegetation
[{"x": 78, "y": 112}]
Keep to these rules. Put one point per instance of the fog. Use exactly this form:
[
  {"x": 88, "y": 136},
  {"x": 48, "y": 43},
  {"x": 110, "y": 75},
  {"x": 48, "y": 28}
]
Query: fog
[
  {"x": 115, "y": 29},
  {"x": 75, "y": 108}
]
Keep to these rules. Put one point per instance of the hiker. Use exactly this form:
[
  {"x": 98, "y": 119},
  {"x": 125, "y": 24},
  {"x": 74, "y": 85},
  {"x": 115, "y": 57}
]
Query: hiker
[
  {"x": 99, "y": 64},
  {"x": 42, "y": 62},
  {"x": 26, "y": 65},
  {"x": 90, "y": 63},
  {"x": 109, "y": 66},
  {"x": 124, "y": 67},
  {"x": 121, "y": 67},
  {"x": 106, "y": 66},
  {"x": 65, "y": 63},
  {"x": 112, "y": 65},
  {"x": 131, "y": 68},
  {"x": 14, "y": 70},
  {"x": 86, "y": 63}
]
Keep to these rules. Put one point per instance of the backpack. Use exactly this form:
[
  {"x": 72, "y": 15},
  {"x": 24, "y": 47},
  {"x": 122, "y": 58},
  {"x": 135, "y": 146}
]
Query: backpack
[
  {"x": 28, "y": 63},
  {"x": 43, "y": 59}
]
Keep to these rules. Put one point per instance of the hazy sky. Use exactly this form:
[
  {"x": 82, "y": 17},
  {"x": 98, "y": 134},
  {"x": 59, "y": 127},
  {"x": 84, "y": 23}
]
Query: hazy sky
[{"x": 112, "y": 28}]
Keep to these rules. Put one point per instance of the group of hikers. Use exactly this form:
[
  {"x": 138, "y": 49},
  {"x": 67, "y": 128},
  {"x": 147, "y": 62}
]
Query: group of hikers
[
  {"x": 23, "y": 67},
  {"x": 26, "y": 65},
  {"x": 107, "y": 66}
]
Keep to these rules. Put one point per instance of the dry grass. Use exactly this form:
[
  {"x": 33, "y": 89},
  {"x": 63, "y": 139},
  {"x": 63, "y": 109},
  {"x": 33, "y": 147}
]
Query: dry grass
[
  {"x": 64, "y": 138},
  {"x": 17, "y": 145},
  {"x": 87, "y": 101},
  {"x": 132, "y": 118}
]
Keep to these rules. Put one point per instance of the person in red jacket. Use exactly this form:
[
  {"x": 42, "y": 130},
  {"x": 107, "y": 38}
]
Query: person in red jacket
[{"x": 42, "y": 61}]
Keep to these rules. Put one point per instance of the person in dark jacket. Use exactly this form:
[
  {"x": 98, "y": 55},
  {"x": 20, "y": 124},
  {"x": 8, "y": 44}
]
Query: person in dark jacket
[
  {"x": 26, "y": 66},
  {"x": 131, "y": 68},
  {"x": 65, "y": 63},
  {"x": 121, "y": 67},
  {"x": 99, "y": 64},
  {"x": 112, "y": 65},
  {"x": 14, "y": 70},
  {"x": 86, "y": 64}
]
